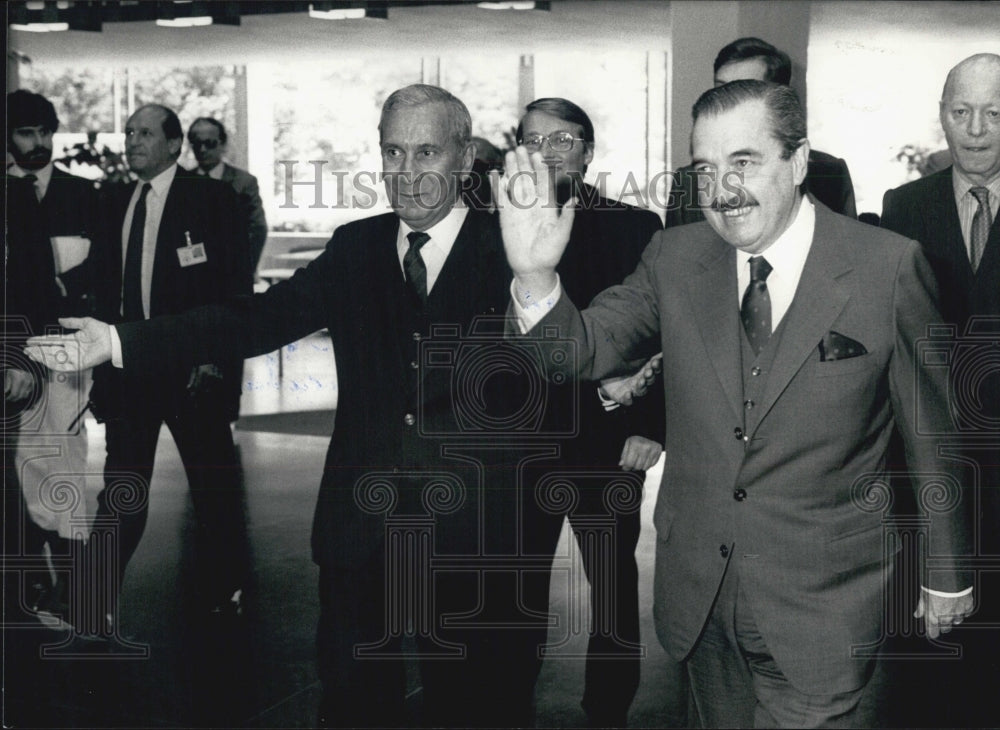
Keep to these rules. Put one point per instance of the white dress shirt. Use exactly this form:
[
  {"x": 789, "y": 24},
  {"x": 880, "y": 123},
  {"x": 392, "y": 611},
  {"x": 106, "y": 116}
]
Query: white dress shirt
[
  {"x": 435, "y": 252},
  {"x": 968, "y": 205},
  {"x": 155, "y": 200}
]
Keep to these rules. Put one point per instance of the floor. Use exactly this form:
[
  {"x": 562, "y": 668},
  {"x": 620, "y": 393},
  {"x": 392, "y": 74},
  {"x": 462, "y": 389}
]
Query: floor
[{"x": 175, "y": 671}]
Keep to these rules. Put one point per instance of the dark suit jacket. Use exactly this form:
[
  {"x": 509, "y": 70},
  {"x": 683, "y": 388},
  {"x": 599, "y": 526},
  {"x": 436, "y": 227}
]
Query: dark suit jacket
[
  {"x": 807, "y": 543},
  {"x": 605, "y": 246},
  {"x": 396, "y": 418},
  {"x": 31, "y": 295},
  {"x": 827, "y": 178},
  {"x": 248, "y": 194},
  {"x": 207, "y": 210},
  {"x": 925, "y": 210}
]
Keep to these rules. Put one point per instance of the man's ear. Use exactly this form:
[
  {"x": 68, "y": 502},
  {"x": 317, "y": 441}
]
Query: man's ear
[
  {"x": 800, "y": 161},
  {"x": 174, "y": 145},
  {"x": 588, "y": 154}
]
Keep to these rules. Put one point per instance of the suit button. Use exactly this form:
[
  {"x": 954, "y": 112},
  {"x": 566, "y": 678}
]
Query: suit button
[
  {"x": 748, "y": 404},
  {"x": 724, "y": 551},
  {"x": 416, "y": 337},
  {"x": 740, "y": 494},
  {"x": 755, "y": 371},
  {"x": 414, "y": 364},
  {"x": 409, "y": 419},
  {"x": 738, "y": 433}
]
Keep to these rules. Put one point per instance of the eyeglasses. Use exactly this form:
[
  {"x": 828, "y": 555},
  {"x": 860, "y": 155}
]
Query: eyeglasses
[
  {"x": 558, "y": 141},
  {"x": 208, "y": 144}
]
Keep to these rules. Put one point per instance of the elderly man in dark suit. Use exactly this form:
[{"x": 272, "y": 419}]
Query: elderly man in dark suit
[
  {"x": 418, "y": 530},
  {"x": 605, "y": 246},
  {"x": 953, "y": 213},
  {"x": 170, "y": 242},
  {"x": 788, "y": 336},
  {"x": 208, "y": 140},
  {"x": 827, "y": 177},
  {"x": 56, "y": 441}
]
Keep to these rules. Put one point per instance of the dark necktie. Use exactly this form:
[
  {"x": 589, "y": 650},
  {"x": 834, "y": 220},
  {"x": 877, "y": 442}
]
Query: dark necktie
[
  {"x": 132, "y": 276},
  {"x": 413, "y": 264},
  {"x": 33, "y": 179},
  {"x": 756, "y": 309},
  {"x": 980, "y": 225}
]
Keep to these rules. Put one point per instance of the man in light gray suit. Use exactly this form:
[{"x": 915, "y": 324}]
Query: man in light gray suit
[{"x": 790, "y": 349}]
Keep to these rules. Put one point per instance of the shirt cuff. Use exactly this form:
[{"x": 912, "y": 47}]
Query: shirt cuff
[
  {"x": 528, "y": 317},
  {"x": 945, "y": 594},
  {"x": 609, "y": 403},
  {"x": 116, "y": 347}
]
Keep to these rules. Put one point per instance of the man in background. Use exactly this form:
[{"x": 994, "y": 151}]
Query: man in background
[
  {"x": 953, "y": 214},
  {"x": 208, "y": 139},
  {"x": 171, "y": 241},
  {"x": 53, "y": 439},
  {"x": 827, "y": 177},
  {"x": 605, "y": 246}
]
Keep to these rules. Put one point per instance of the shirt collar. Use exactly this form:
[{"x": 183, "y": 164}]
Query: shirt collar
[
  {"x": 216, "y": 172},
  {"x": 961, "y": 185},
  {"x": 788, "y": 253},
  {"x": 443, "y": 233},
  {"x": 161, "y": 183},
  {"x": 43, "y": 176}
]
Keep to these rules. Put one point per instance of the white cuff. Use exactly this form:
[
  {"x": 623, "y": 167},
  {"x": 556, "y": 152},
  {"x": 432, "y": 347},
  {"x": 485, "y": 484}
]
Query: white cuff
[
  {"x": 116, "y": 348},
  {"x": 609, "y": 403},
  {"x": 945, "y": 594},
  {"x": 528, "y": 317}
]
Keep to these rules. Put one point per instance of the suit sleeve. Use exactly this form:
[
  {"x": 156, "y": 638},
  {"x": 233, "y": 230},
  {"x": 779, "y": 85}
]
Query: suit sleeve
[
  {"x": 890, "y": 218},
  {"x": 256, "y": 220},
  {"x": 619, "y": 331},
  {"x": 920, "y": 401},
  {"x": 646, "y": 416},
  {"x": 245, "y": 326}
]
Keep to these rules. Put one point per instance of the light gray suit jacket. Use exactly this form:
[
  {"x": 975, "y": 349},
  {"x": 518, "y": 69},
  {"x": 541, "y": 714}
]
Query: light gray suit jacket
[{"x": 808, "y": 535}]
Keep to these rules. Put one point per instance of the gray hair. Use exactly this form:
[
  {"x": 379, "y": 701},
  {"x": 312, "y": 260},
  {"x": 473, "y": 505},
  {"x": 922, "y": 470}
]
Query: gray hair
[{"x": 459, "y": 119}]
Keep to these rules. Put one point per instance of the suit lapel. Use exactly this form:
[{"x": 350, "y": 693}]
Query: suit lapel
[
  {"x": 819, "y": 299},
  {"x": 714, "y": 300},
  {"x": 941, "y": 219}
]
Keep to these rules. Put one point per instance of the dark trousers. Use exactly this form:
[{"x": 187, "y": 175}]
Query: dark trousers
[
  {"x": 735, "y": 681},
  {"x": 205, "y": 443},
  {"x": 476, "y": 645},
  {"x": 605, "y": 518}
]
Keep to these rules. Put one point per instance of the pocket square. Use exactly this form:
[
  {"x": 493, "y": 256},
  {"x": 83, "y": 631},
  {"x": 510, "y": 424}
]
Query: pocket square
[{"x": 836, "y": 346}]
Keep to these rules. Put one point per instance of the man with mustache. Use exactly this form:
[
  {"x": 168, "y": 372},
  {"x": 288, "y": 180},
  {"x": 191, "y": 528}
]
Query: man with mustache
[
  {"x": 827, "y": 177},
  {"x": 788, "y": 336}
]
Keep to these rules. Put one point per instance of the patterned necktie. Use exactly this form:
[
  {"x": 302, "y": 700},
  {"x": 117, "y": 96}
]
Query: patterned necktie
[
  {"x": 980, "y": 225},
  {"x": 756, "y": 308},
  {"x": 33, "y": 179},
  {"x": 413, "y": 265},
  {"x": 132, "y": 276}
]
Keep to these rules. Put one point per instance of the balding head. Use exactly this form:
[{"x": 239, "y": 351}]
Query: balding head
[{"x": 970, "y": 117}]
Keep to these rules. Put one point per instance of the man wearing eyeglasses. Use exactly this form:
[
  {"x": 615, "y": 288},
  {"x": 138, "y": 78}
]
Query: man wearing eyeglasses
[
  {"x": 208, "y": 138},
  {"x": 605, "y": 245}
]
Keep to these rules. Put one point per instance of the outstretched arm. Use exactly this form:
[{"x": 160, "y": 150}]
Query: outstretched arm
[{"x": 88, "y": 347}]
